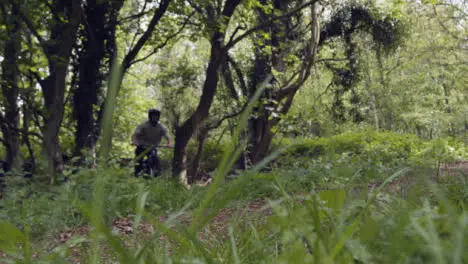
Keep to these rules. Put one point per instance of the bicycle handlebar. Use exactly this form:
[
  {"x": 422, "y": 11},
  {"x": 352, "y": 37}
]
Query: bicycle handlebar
[{"x": 160, "y": 146}]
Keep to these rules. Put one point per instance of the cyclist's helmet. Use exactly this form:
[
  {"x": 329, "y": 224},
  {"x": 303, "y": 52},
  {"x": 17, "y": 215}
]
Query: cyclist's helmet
[{"x": 154, "y": 112}]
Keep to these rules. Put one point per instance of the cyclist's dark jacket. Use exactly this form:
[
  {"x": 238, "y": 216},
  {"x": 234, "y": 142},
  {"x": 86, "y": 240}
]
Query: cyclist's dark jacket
[{"x": 147, "y": 135}]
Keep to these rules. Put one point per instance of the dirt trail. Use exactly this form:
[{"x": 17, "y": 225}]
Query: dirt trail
[{"x": 454, "y": 168}]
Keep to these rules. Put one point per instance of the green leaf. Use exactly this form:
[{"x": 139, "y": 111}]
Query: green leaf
[
  {"x": 10, "y": 235},
  {"x": 334, "y": 198}
]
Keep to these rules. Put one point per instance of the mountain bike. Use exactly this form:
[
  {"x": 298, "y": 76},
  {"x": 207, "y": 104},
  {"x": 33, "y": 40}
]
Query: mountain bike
[{"x": 151, "y": 163}]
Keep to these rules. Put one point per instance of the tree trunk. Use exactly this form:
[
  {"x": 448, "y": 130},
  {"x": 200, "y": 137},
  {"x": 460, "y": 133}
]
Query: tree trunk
[
  {"x": 278, "y": 101},
  {"x": 186, "y": 131},
  {"x": 258, "y": 126},
  {"x": 63, "y": 36},
  {"x": 99, "y": 31},
  {"x": 372, "y": 98},
  {"x": 195, "y": 168},
  {"x": 10, "y": 89},
  {"x": 218, "y": 54},
  {"x": 448, "y": 108},
  {"x": 387, "y": 119},
  {"x": 264, "y": 137}
]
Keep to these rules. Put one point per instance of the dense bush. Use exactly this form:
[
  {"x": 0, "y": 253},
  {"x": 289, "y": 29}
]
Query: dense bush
[{"x": 388, "y": 148}]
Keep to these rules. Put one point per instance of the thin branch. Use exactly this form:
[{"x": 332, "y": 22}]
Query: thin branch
[
  {"x": 139, "y": 15},
  {"x": 37, "y": 77},
  {"x": 154, "y": 51},
  {"x": 138, "y": 22},
  {"x": 29, "y": 133},
  {"x": 239, "y": 74},
  {"x": 232, "y": 43},
  {"x": 170, "y": 37},
  {"x": 30, "y": 25},
  {"x": 235, "y": 32},
  {"x": 34, "y": 112},
  {"x": 292, "y": 89},
  {"x": 219, "y": 122},
  {"x": 22, "y": 131},
  {"x": 88, "y": 28},
  {"x": 331, "y": 59},
  {"x": 227, "y": 76},
  {"x": 142, "y": 40},
  {"x": 196, "y": 7},
  {"x": 53, "y": 11},
  {"x": 443, "y": 25},
  {"x": 37, "y": 121},
  {"x": 292, "y": 78},
  {"x": 324, "y": 92},
  {"x": 4, "y": 14}
]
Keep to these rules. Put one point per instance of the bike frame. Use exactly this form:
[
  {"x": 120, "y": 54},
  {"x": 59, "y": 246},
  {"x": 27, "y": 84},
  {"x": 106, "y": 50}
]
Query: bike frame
[{"x": 149, "y": 159}]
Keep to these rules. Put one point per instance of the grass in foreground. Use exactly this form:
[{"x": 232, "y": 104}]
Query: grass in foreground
[{"x": 291, "y": 224}]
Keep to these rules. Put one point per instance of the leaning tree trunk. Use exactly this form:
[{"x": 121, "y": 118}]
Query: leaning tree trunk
[
  {"x": 217, "y": 56},
  {"x": 262, "y": 68},
  {"x": 261, "y": 139},
  {"x": 185, "y": 132},
  {"x": 10, "y": 76},
  {"x": 58, "y": 53},
  {"x": 196, "y": 162},
  {"x": 277, "y": 102}
]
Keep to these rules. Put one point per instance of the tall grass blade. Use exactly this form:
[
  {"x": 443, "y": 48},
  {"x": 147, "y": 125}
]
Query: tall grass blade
[
  {"x": 228, "y": 159},
  {"x": 115, "y": 81},
  {"x": 26, "y": 242},
  {"x": 459, "y": 239},
  {"x": 353, "y": 227},
  {"x": 233, "y": 246},
  {"x": 140, "y": 206}
]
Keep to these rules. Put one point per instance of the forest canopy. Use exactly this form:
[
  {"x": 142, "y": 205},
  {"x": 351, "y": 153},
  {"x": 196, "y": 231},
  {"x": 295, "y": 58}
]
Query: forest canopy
[{"x": 351, "y": 63}]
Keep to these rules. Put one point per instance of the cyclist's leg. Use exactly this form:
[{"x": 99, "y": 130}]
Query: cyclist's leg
[
  {"x": 139, "y": 162},
  {"x": 157, "y": 164}
]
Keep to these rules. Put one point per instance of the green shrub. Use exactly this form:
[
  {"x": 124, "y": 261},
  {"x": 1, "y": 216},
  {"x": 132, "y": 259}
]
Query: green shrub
[{"x": 381, "y": 148}]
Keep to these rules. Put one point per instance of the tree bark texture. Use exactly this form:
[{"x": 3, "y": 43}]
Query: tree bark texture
[
  {"x": 217, "y": 56},
  {"x": 58, "y": 52},
  {"x": 98, "y": 45},
  {"x": 9, "y": 84},
  {"x": 279, "y": 100}
]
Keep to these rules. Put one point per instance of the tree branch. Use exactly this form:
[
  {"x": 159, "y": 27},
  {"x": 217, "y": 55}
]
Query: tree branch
[
  {"x": 227, "y": 76},
  {"x": 131, "y": 55},
  {"x": 139, "y": 15},
  {"x": 53, "y": 11},
  {"x": 33, "y": 111},
  {"x": 235, "y": 32},
  {"x": 30, "y": 25},
  {"x": 232, "y": 43},
  {"x": 195, "y": 6},
  {"x": 37, "y": 77},
  {"x": 22, "y": 131},
  {"x": 331, "y": 59},
  {"x": 219, "y": 122},
  {"x": 157, "y": 48},
  {"x": 239, "y": 74},
  {"x": 443, "y": 25},
  {"x": 138, "y": 22}
]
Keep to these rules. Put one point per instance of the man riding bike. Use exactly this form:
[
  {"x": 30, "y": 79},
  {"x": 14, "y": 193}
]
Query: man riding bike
[{"x": 148, "y": 135}]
